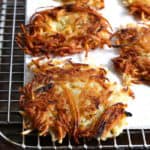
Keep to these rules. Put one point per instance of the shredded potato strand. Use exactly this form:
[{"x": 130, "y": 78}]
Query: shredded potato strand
[
  {"x": 139, "y": 8},
  {"x": 99, "y": 4}
]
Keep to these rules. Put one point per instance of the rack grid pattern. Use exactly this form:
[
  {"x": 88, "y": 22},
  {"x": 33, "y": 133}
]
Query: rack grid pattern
[{"x": 12, "y": 14}]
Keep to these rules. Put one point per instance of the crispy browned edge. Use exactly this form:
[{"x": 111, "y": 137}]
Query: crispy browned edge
[
  {"x": 99, "y": 4},
  {"x": 36, "y": 110},
  {"x": 140, "y": 11},
  {"x": 130, "y": 62},
  {"x": 57, "y": 44}
]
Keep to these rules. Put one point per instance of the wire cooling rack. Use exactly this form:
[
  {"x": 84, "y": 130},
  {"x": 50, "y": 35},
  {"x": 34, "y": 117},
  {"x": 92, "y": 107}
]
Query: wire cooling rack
[{"x": 12, "y": 14}]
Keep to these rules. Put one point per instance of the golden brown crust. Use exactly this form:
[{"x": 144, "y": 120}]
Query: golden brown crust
[
  {"x": 63, "y": 31},
  {"x": 99, "y": 4},
  {"x": 134, "y": 59},
  {"x": 72, "y": 99},
  {"x": 109, "y": 118},
  {"x": 139, "y": 8}
]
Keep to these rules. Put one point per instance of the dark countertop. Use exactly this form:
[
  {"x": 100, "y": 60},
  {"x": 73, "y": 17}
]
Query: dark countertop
[{"x": 4, "y": 145}]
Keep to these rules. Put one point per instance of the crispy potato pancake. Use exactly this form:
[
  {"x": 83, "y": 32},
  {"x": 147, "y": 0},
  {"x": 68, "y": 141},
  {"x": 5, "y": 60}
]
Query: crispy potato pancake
[
  {"x": 139, "y": 8},
  {"x": 63, "y": 31},
  {"x": 99, "y": 4},
  {"x": 78, "y": 100},
  {"x": 134, "y": 60}
]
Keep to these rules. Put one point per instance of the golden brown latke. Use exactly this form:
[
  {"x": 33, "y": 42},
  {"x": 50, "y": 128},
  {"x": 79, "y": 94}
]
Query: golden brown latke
[
  {"x": 63, "y": 31},
  {"x": 134, "y": 59},
  {"x": 99, "y": 4},
  {"x": 139, "y": 8},
  {"x": 75, "y": 99}
]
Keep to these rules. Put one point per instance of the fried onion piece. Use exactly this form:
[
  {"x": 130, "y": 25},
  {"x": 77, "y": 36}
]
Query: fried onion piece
[
  {"x": 64, "y": 30},
  {"x": 134, "y": 59},
  {"x": 99, "y": 4},
  {"x": 139, "y": 8},
  {"x": 75, "y": 99}
]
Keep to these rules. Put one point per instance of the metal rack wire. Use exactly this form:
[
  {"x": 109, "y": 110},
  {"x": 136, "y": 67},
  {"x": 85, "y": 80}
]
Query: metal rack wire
[{"x": 12, "y": 14}]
